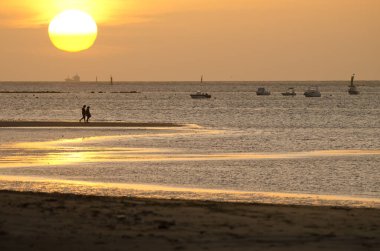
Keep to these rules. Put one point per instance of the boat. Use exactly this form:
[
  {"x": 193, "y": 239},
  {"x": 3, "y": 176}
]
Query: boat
[
  {"x": 353, "y": 90},
  {"x": 74, "y": 79},
  {"x": 290, "y": 92},
  {"x": 199, "y": 94},
  {"x": 262, "y": 92},
  {"x": 313, "y": 92}
]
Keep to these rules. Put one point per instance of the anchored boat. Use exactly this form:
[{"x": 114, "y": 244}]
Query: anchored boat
[
  {"x": 262, "y": 92},
  {"x": 313, "y": 92},
  {"x": 199, "y": 94},
  {"x": 290, "y": 92}
]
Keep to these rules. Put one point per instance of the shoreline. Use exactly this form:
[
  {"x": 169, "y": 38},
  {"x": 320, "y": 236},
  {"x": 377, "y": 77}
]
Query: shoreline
[
  {"x": 164, "y": 192},
  {"x": 42, "y": 221},
  {"x": 35, "y": 124}
]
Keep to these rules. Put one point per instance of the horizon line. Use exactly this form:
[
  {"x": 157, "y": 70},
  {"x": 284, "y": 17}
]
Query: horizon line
[{"x": 178, "y": 81}]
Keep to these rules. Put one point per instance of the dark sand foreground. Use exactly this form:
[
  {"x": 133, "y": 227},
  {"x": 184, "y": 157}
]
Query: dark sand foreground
[
  {"x": 31, "y": 221},
  {"x": 78, "y": 124}
]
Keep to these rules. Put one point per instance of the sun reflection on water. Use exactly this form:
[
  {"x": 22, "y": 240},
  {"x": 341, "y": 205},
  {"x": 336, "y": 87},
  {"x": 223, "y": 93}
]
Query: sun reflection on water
[
  {"x": 84, "y": 150},
  {"x": 108, "y": 149}
]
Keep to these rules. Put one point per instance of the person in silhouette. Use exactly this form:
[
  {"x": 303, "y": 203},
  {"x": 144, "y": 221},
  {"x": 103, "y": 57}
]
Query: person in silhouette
[
  {"x": 83, "y": 114},
  {"x": 88, "y": 113}
]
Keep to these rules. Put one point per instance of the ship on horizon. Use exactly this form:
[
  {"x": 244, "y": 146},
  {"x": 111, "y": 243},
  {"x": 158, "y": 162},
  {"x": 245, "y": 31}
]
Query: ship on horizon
[{"x": 75, "y": 78}]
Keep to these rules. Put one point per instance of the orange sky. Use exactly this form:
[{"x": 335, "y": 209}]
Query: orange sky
[{"x": 183, "y": 39}]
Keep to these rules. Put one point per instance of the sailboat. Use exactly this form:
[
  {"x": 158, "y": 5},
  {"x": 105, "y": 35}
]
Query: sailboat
[
  {"x": 353, "y": 90},
  {"x": 199, "y": 94}
]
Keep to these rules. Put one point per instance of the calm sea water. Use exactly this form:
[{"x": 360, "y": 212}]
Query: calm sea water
[{"x": 235, "y": 146}]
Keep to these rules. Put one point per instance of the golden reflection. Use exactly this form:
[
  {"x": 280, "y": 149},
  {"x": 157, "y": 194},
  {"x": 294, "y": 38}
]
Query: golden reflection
[
  {"x": 103, "y": 149},
  {"x": 187, "y": 130},
  {"x": 72, "y": 151},
  {"x": 162, "y": 191}
]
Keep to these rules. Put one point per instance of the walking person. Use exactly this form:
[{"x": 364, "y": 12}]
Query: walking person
[
  {"x": 88, "y": 113},
  {"x": 83, "y": 114}
]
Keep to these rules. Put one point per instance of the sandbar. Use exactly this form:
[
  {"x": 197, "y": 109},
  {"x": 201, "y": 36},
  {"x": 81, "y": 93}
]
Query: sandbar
[{"x": 79, "y": 124}]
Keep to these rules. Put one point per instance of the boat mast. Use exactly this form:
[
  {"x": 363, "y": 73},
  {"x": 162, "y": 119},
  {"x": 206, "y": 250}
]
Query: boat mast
[
  {"x": 111, "y": 80},
  {"x": 352, "y": 79},
  {"x": 201, "y": 79}
]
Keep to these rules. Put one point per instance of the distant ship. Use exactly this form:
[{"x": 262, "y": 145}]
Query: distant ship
[
  {"x": 75, "y": 79},
  {"x": 353, "y": 90}
]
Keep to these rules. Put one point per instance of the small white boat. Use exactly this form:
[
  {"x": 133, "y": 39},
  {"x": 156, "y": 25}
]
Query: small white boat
[
  {"x": 290, "y": 92},
  {"x": 313, "y": 92},
  {"x": 199, "y": 94},
  {"x": 262, "y": 92},
  {"x": 353, "y": 90}
]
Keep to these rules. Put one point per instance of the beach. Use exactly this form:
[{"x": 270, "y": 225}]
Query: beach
[
  {"x": 39, "y": 221},
  {"x": 159, "y": 171}
]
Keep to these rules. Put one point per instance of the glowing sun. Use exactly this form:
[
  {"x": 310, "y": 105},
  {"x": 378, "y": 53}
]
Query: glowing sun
[{"x": 73, "y": 31}]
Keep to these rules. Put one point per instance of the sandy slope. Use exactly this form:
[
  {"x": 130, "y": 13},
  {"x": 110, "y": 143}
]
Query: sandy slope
[{"x": 31, "y": 221}]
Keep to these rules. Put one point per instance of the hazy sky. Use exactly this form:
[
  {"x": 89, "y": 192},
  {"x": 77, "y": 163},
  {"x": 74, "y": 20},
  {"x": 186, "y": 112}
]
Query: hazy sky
[{"x": 183, "y": 39}]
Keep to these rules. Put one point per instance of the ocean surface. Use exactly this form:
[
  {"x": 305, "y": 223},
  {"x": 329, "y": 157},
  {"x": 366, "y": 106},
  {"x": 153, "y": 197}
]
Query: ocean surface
[{"x": 235, "y": 146}]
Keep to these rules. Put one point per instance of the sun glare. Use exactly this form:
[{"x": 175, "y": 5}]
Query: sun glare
[{"x": 73, "y": 31}]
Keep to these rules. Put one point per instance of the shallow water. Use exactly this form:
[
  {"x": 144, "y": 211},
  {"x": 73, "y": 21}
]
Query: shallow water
[{"x": 236, "y": 147}]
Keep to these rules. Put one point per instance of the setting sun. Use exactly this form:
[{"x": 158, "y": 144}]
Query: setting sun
[{"x": 73, "y": 31}]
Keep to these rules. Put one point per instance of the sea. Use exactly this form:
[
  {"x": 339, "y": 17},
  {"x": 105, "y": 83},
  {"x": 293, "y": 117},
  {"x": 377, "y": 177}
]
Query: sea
[{"x": 233, "y": 147}]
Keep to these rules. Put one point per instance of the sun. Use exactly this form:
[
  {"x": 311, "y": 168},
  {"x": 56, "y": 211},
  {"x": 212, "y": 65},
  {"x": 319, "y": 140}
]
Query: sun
[{"x": 73, "y": 31}]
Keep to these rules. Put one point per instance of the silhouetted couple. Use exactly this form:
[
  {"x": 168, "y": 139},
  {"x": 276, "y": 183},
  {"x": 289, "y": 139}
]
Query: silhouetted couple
[{"x": 86, "y": 115}]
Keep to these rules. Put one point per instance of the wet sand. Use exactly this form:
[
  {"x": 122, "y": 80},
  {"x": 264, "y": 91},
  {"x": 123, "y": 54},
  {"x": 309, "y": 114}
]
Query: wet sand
[
  {"x": 79, "y": 124},
  {"x": 34, "y": 221}
]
